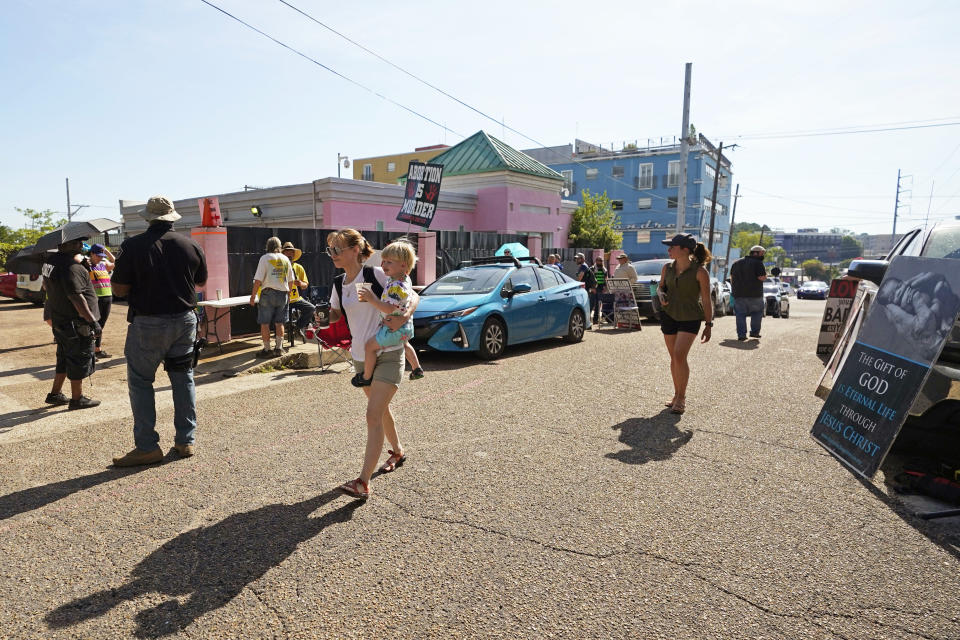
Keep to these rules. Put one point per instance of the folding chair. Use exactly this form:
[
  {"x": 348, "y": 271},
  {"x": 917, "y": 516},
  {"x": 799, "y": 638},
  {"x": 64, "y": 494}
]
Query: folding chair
[
  {"x": 335, "y": 339},
  {"x": 607, "y": 307}
]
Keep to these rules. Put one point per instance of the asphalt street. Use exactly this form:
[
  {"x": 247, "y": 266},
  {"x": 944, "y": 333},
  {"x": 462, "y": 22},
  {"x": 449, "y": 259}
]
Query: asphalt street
[{"x": 547, "y": 494}]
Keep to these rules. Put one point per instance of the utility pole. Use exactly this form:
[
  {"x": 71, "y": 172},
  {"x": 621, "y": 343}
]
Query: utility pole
[
  {"x": 901, "y": 179},
  {"x": 713, "y": 201},
  {"x": 684, "y": 149},
  {"x": 69, "y": 215},
  {"x": 733, "y": 217}
]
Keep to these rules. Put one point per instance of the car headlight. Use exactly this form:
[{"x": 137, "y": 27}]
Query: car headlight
[{"x": 456, "y": 314}]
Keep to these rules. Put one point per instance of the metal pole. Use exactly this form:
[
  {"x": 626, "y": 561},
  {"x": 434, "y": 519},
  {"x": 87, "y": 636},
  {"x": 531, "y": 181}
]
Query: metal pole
[
  {"x": 684, "y": 149},
  {"x": 733, "y": 216},
  {"x": 69, "y": 215},
  {"x": 896, "y": 206},
  {"x": 713, "y": 202},
  {"x": 338, "y": 164},
  {"x": 929, "y": 202}
]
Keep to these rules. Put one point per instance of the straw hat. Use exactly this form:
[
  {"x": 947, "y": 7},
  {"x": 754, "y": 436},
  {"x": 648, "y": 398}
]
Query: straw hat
[{"x": 288, "y": 246}]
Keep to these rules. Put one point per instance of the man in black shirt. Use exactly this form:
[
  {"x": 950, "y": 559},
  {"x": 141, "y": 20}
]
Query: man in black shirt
[
  {"x": 159, "y": 271},
  {"x": 72, "y": 307},
  {"x": 746, "y": 281}
]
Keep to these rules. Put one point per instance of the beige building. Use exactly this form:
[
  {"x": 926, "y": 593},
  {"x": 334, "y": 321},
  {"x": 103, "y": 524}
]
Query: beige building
[{"x": 388, "y": 169}]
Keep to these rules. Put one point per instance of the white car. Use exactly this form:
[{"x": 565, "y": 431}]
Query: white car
[{"x": 30, "y": 288}]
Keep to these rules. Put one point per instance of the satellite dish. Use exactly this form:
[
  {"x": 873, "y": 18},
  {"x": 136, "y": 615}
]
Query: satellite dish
[{"x": 346, "y": 163}]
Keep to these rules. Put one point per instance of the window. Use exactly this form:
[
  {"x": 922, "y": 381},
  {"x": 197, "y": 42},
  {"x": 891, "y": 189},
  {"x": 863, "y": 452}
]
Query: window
[
  {"x": 550, "y": 277},
  {"x": 711, "y": 172},
  {"x": 367, "y": 172},
  {"x": 672, "y": 202},
  {"x": 617, "y": 205},
  {"x": 644, "y": 203},
  {"x": 673, "y": 173},
  {"x": 391, "y": 167},
  {"x": 645, "y": 176},
  {"x": 525, "y": 276},
  {"x": 568, "y": 180},
  {"x": 592, "y": 174},
  {"x": 617, "y": 171}
]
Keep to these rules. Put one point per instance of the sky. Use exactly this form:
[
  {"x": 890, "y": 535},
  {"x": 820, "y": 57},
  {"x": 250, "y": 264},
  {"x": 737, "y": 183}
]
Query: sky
[{"x": 133, "y": 99}]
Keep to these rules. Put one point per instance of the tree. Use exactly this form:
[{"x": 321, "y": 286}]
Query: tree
[
  {"x": 594, "y": 224},
  {"x": 776, "y": 255},
  {"x": 850, "y": 247},
  {"x": 815, "y": 270},
  {"x": 744, "y": 240},
  {"x": 745, "y": 226},
  {"x": 39, "y": 223}
]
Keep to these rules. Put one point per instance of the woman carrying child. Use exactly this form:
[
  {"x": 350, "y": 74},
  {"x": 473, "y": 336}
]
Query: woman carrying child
[{"x": 348, "y": 250}]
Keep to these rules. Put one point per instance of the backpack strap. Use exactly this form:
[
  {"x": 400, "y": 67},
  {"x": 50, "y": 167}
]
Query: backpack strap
[
  {"x": 369, "y": 275},
  {"x": 338, "y": 287}
]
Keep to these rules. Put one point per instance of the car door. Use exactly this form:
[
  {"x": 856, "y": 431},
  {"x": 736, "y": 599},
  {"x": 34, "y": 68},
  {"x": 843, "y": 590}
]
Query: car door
[
  {"x": 558, "y": 301},
  {"x": 524, "y": 311}
]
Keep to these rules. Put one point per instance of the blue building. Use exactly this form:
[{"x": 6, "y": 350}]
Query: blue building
[{"x": 644, "y": 183}]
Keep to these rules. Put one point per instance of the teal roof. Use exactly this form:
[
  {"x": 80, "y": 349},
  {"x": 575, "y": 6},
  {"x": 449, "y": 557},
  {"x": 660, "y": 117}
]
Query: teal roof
[{"x": 482, "y": 153}]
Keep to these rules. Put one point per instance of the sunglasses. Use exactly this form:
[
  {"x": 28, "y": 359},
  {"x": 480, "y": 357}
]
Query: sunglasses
[{"x": 334, "y": 251}]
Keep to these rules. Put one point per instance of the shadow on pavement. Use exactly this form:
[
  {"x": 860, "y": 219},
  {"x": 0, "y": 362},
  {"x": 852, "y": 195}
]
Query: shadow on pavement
[
  {"x": 44, "y": 372},
  {"x": 650, "y": 439},
  {"x": 15, "y": 418},
  {"x": 29, "y": 499},
  {"x": 28, "y": 346},
  {"x": 733, "y": 343},
  {"x": 208, "y": 566}
]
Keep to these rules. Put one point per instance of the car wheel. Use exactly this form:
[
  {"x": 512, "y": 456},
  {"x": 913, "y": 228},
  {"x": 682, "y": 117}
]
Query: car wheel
[
  {"x": 493, "y": 339},
  {"x": 718, "y": 310},
  {"x": 576, "y": 326},
  {"x": 785, "y": 314}
]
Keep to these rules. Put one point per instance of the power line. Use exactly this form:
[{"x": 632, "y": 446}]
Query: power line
[
  {"x": 814, "y": 204},
  {"x": 764, "y": 136},
  {"x": 331, "y": 70}
]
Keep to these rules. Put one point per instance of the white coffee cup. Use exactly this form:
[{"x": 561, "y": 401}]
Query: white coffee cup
[
  {"x": 361, "y": 286},
  {"x": 219, "y": 294}
]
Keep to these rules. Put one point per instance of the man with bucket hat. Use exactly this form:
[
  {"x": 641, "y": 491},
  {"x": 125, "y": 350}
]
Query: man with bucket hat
[
  {"x": 746, "y": 285},
  {"x": 298, "y": 289},
  {"x": 158, "y": 271}
]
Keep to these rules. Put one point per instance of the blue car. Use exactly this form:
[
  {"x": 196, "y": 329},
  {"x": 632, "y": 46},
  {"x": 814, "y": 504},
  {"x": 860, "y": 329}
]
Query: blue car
[{"x": 487, "y": 304}]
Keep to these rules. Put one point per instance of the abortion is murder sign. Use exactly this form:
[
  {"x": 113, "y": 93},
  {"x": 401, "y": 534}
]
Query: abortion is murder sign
[
  {"x": 422, "y": 193},
  {"x": 904, "y": 332}
]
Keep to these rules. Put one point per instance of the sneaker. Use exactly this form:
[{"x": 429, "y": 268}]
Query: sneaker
[
  {"x": 57, "y": 398},
  {"x": 742, "y": 338},
  {"x": 100, "y": 355},
  {"x": 182, "y": 450},
  {"x": 137, "y": 457},
  {"x": 755, "y": 335},
  {"x": 416, "y": 374},
  {"x": 279, "y": 351},
  {"x": 359, "y": 381},
  {"x": 264, "y": 353},
  {"x": 83, "y": 402}
]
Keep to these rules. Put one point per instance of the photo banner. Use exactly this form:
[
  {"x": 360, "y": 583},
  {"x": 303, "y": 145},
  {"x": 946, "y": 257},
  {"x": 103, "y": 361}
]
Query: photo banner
[
  {"x": 422, "y": 193},
  {"x": 626, "y": 315},
  {"x": 905, "y": 329}
]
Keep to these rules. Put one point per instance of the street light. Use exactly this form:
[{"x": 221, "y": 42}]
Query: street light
[{"x": 346, "y": 163}]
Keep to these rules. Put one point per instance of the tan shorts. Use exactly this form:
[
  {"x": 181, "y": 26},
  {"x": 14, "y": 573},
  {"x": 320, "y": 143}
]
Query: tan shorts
[{"x": 389, "y": 367}]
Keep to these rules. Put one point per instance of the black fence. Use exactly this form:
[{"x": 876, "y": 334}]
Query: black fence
[
  {"x": 245, "y": 245},
  {"x": 456, "y": 246}
]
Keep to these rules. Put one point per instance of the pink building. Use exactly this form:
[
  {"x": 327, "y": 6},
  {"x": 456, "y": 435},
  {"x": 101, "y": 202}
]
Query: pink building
[{"x": 487, "y": 186}]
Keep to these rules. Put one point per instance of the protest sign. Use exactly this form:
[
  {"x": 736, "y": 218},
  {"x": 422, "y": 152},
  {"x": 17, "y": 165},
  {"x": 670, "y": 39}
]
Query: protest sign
[
  {"x": 422, "y": 193},
  {"x": 835, "y": 313},
  {"x": 908, "y": 322},
  {"x": 625, "y": 311}
]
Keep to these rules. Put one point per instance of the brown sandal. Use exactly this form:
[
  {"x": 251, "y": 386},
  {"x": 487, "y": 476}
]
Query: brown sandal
[
  {"x": 356, "y": 488},
  {"x": 395, "y": 460}
]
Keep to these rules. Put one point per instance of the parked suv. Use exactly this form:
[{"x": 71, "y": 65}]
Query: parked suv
[
  {"x": 30, "y": 288},
  {"x": 942, "y": 240}
]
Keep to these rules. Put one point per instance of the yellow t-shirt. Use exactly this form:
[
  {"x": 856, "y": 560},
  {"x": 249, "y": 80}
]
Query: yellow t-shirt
[{"x": 298, "y": 274}]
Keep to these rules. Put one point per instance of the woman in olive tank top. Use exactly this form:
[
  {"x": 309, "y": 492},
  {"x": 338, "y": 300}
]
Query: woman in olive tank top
[{"x": 684, "y": 286}]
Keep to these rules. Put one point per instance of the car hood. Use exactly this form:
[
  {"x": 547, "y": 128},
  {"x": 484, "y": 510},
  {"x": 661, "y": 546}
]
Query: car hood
[
  {"x": 432, "y": 305},
  {"x": 648, "y": 279}
]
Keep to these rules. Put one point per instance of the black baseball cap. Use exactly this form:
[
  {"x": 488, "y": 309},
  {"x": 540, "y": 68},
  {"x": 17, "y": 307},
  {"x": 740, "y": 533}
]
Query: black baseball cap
[{"x": 685, "y": 240}]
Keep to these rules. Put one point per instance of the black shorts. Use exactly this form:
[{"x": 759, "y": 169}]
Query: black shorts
[
  {"x": 74, "y": 353},
  {"x": 671, "y": 327}
]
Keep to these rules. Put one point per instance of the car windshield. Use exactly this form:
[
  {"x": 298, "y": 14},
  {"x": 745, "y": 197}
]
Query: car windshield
[
  {"x": 771, "y": 287},
  {"x": 944, "y": 242},
  {"x": 466, "y": 281},
  {"x": 648, "y": 268},
  {"x": 815, "y": 284}
]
